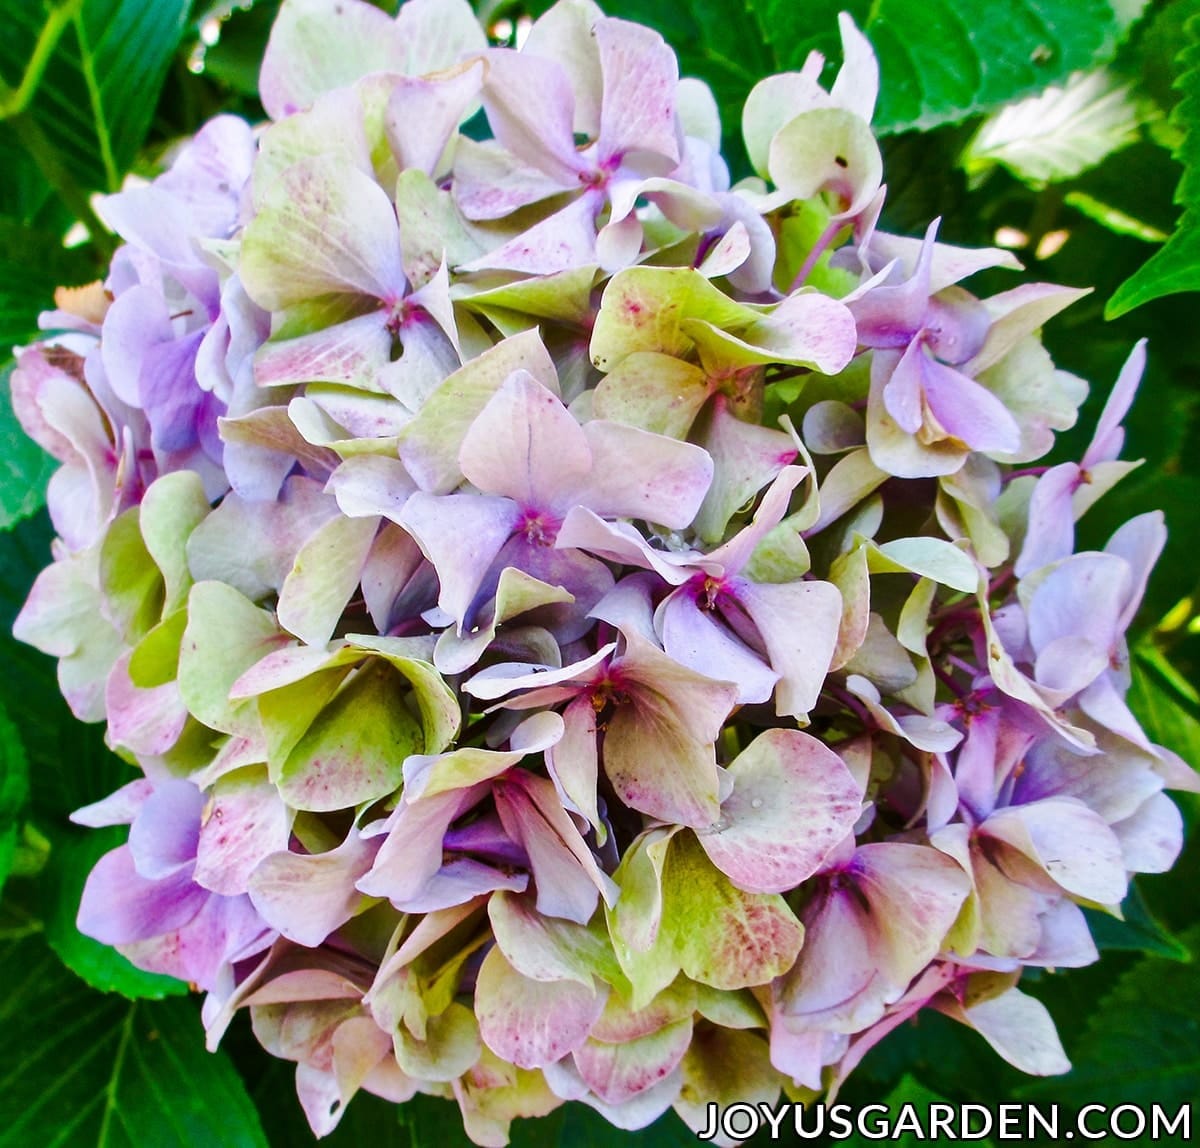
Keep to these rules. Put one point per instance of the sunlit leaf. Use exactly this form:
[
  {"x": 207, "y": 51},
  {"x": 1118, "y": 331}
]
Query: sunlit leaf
[{"x": 943, "y": 60}]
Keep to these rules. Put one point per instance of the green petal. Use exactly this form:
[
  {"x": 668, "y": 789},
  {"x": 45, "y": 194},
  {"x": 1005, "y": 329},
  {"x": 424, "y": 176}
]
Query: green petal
[
  {"x": 354, "y": 750},
  {"x": 225, "y": 635}
]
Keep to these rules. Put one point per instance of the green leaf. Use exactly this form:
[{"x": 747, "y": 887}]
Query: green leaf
[
  {"x": 1173, "y": 268},
  {"x": 25, "y": 468},
  {"x": 1139, "y": 931},
  {"x": 14, "y": 791},
  {"x": 1142, "y": 1041},
  {"x": 943, "y": 60},
  {"x": 1059, "y": 133},
  {"x": 1117, "y": 221},
  {"x": 1176, "y": 267},
  {"x": 92, "y": 104},
  {"x": 1167, "y": 716},
  {"x": 234, "y": 60},
  {"x": 33, "y": 261},
  {"x": 81, "y": 1069}
]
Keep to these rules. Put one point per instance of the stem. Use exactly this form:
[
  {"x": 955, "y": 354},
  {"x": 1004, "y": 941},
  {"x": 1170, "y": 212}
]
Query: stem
[
  {"x": 18, "y": 932},
  {"x": 13, "y": 101},
  {"x": 1036, "y": 471},
  {"x": 947, "y": 679},
  {"x": 87, "y": 66},
  {"x": 846, "y": 698},
  {"x": 827, "y": 237}
]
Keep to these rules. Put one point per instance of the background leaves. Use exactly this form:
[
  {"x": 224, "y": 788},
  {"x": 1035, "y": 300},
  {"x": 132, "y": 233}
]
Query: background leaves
[
  {"x": 943, "y": 60},
  {"x": 82, "y": 1069},
  {"x": 1177, "y": 266},
  {"x": 114, "y": 83}
]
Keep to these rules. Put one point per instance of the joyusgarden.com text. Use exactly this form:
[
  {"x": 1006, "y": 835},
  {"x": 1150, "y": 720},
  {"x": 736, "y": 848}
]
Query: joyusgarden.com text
[{"x": 1024, "y": 1122}]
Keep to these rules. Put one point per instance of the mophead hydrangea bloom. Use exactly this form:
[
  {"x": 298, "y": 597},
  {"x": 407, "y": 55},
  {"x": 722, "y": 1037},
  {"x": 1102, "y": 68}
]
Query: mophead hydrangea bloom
[{"x": 575, "y": 624}]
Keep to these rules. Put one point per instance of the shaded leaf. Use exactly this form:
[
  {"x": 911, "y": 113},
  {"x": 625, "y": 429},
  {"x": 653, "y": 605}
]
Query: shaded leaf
[
  {"x": 1176, "y": 267},
  {"x": 24, "y": 467},
  {"x": 96, "y": 97},
  {"x": 82, "y": 1069},
  {"x": 14, "y": 791},
  {"x": 1142, "y": 1042},
  {"x": 1139, "y": 932},
  {"x": 1167, "y": 715},
  {"x": 910, "y": 1091}
]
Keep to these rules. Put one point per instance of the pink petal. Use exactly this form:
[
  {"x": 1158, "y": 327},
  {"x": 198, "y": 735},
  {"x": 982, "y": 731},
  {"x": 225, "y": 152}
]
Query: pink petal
[
  {"x": 1140, "y": 542},
  {"x": 573, "y": 764},
  {"x": 745, "y": 458},
  {"x": 531, "y": 109},
  {"x": 638, "y": 474},
  {"x": 459, "y": 881},
  {"x": 351, "y": 352},
  {"x": 307, "y": 897},
  {"x": 491, "y": 183},
  {"x": 1072, "y": 844},
  {"x": 836, "y": 984},
  {"x": 246, "y": 821},
  {"x": 1151, "y": 839},
  {"x": 412, "y": 853},
  {"x": 226, "y": 929},
  {"x": 319, "y": 45},
  {"x": 531, "y": 1023},
  {"x": 1110, "y": 436},
  {"x": 618, "y": 1073},
  {"x": 798, "y": 623},
  {"x": 564, "y": 870},
  {"x": 437, "y": 33},
  {"x": 560, "y": 242},
  {"x": 525, "y": 445},
  {"x": 461, "y": 534},
  {"x": 915, "y": 894},
  {"x": 423, "y": 113},
  {"x": 793, "y": 800},
  {"x": 968, "y": 411},
  {"x": 1081, "y": 597},
  {"x": 118, "y": 808},
  {"x": 620, "y": 542},
  {"x": 1050, "y": 534},
  {"x": 692, "y": 637},
  {"x": 637, "y": 110},
  {"x": 119, "y": 905},
  {"x": 163, "y": 837},
  {"x": 1021, "y": 1030},
  {"x": 322, "y": 228}
]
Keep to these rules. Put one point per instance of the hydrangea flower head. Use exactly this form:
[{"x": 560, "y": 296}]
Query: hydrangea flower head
[{"x": 534, "y": 688}]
